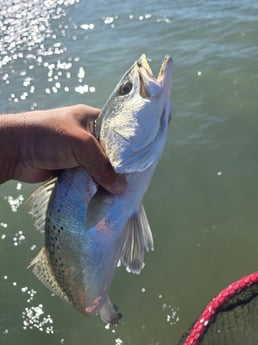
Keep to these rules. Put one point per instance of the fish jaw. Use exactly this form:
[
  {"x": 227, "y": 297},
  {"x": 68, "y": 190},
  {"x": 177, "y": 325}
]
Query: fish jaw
[
  {"x": 152, "y": 86},
  {"x": 132, "y": 127}
]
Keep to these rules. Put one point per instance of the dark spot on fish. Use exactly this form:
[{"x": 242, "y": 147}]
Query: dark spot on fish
[{"x": 54, "y": 227}]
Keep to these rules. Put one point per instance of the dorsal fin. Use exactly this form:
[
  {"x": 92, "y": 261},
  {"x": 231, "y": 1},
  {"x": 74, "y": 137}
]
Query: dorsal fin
[
  {"x": 138, "y": 237},
  {"x": 38, "y": 203},
  {"x": 41, "y": 267}
]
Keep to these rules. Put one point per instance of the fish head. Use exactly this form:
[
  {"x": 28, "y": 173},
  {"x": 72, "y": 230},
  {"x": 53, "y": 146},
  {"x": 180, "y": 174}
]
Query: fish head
[{"x": 132, "y": 125}]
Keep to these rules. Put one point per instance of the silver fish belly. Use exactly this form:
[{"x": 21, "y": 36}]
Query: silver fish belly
[{"x": 88, "y": 230}]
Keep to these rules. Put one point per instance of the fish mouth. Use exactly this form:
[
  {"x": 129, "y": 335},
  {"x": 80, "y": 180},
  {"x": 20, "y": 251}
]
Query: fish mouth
[
  {"x": 149, "y": 85},
  {"x": 143, "y": 62},
  {"x": 165, "y": 70}
]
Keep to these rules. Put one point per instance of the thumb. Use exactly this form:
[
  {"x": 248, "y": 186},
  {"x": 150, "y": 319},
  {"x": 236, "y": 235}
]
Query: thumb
[{"x": 91, "y": 156}]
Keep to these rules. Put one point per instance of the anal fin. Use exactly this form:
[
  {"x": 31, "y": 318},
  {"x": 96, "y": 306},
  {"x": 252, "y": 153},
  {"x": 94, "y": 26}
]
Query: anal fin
[
  {"x": 146, "y": 230},
  {"x": 41, "y": 267},
  {"x": 138, "y": 237}
]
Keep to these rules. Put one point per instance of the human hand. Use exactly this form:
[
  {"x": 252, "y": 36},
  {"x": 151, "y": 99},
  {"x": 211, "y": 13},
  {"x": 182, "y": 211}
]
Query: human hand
[{"x": 36, "y": 144}]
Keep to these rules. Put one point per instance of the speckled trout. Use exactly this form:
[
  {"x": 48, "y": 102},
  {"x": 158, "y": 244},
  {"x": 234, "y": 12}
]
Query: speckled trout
[{"x": 88, "y": 231}]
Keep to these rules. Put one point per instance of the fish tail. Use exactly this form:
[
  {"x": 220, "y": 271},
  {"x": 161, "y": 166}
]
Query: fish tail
[{"x": 109, "y": 313}]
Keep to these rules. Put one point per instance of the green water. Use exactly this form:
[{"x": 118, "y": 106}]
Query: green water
[{"x": 202, "y": 203}]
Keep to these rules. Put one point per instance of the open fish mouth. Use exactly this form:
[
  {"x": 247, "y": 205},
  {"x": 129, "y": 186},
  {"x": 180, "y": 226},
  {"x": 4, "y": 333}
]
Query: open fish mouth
[
  {"x": 165, "y": 69},
  {"x": 132, "y": 126},
  {"x": 146, "y": 75}
]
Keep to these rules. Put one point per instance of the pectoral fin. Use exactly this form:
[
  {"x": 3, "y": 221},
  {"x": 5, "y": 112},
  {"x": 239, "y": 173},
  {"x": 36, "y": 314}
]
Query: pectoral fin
[
  {"x": 41, "y": 267},
  {"x": 138, "y": 237},
  {"x": 98, "y": 207}
]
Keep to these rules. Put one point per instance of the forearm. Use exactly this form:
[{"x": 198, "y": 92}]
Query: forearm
[
  {"x": 27, "y": 141},
  {"x": 10, "y": 132},
  {"x": 36, "y": 143}
]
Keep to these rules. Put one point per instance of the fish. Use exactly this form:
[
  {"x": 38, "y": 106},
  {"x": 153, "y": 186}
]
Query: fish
[{"x": 88, "y": 231}]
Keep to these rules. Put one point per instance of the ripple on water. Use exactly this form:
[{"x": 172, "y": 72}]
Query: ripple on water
[
  {"x": 25, "y": 24},
  {"x": 33, "y": 315},
  {"x": 34, "y": 318},
  {"x": 28, "y": 42}
]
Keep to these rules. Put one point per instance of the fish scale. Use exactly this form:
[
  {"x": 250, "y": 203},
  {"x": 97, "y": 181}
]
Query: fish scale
[{"x": 88, "y": 230}]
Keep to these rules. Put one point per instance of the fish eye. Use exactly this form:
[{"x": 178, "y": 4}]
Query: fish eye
[{"x": 125, "y": 88}]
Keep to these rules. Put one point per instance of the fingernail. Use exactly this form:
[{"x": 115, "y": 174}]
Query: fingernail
[{"x": 118, "y": 186}]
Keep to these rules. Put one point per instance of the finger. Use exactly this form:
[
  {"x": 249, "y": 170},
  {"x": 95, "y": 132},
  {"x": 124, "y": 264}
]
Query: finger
[
  {"x": 33, "y": 175},
  {"x": 86, "y": 115}
]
